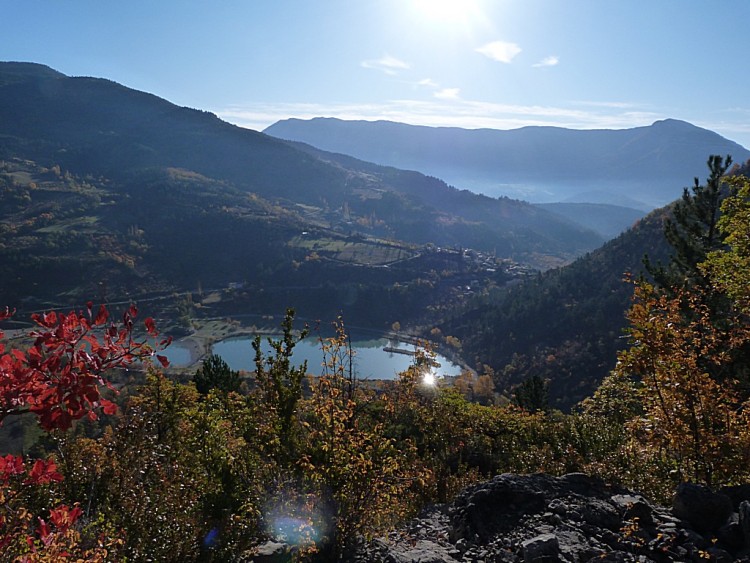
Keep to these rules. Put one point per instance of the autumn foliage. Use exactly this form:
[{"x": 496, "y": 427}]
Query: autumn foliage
[
  {"x": 58, "y": 379},
  {"x": 311, "y": 456},
  {"x": 60, "y": 376}
]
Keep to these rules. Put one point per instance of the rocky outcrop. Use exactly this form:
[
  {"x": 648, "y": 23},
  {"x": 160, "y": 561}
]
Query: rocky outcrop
[{"x": 575, "y": 518}]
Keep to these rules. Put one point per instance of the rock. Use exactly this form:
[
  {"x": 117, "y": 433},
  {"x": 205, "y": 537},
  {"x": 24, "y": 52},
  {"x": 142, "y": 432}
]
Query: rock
[
  {"x": 270, "y": 552},
  {"x": 601, "y": 514},
  {"x": 731, "y": 535},
  {"x": 719, "y": 555},
  {"x": 422, "y": 552},
  {"x": 574, "y": 518},
  {"x": 744, "y": 521},
  {"x": 737, "y": 494},
  {"x": 634, "y": 508},
  {"x": 705, "y": 510},
  {"x": 541, "y": 549},
  {"x": 494, "y": 506},
  {"x": 581, "y": 483}
]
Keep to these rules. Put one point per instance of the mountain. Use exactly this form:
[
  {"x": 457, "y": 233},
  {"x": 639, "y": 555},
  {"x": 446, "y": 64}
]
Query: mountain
[
  {"x": 607, "y": 220},
  {"x": 110, "y": 192},
  {"x": 565, "y": 325},
  {"x": 539, "y": 164}
]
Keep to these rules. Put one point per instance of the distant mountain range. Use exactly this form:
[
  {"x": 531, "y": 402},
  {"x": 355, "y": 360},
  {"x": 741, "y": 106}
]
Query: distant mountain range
[{"x": 642, "y": 167}]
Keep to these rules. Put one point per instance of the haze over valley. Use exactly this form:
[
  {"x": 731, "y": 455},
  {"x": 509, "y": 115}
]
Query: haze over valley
[{"x": 641, "y": 168}]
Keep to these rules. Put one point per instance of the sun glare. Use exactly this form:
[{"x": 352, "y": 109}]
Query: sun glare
[
  {"x": 445, "y": 10},
  {"x": 429, "y": 378}
]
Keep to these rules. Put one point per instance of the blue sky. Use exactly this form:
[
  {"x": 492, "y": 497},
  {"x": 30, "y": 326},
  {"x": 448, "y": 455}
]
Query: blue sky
[{"x": 468, "y": 63}]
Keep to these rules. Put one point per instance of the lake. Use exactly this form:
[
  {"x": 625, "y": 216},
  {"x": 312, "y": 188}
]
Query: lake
[{"x": 370, "y": 360}]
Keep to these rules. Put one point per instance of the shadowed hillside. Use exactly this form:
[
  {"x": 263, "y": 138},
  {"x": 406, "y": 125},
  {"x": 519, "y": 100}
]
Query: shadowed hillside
[{"x": 107, "y": 185}]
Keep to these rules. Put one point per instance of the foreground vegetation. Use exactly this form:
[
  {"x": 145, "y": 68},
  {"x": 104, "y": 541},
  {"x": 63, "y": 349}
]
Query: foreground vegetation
[{"x": 208, "y": 470}]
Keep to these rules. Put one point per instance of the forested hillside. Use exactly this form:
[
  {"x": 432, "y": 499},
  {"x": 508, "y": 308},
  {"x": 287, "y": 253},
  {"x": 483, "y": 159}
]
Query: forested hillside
[
  {"x": 143, "y": 192},
  {"x": 566, "y": 325}
]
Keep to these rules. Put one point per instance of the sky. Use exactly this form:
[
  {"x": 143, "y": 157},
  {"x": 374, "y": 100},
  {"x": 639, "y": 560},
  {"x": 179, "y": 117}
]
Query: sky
[{"x": 503, "y": 64}]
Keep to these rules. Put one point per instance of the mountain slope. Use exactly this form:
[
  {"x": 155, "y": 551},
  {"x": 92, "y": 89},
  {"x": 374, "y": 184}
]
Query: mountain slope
[
  {"x": 607, "y": 220},
  {"x": 539, "y": 164},
  {"x": 566, "y": 324},
  {"x": 107, "y": 190}
]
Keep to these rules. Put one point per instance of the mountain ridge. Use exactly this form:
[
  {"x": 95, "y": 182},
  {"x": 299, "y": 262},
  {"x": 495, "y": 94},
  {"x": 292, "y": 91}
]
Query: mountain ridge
[{"x": 541, "y": 164}]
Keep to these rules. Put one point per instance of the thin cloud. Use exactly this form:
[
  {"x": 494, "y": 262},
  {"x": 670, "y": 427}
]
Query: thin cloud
[
  {"x": 552, "y": 60},
  {"x": 501, "y": 51},
  {"x": 605, "y": 104},
  {"x": 448, "y": 94},
  {"x": 428, "y": 82},
  {"x": 387, "y": 64}
]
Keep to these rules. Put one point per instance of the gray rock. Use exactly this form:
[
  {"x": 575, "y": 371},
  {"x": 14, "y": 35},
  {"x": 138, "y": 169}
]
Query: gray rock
[
  {"x": 744, "y": 521},
  {"x": 541, "y": 549},
  {"x": 705, "y": 510},
  {"x": 271, "y": 552},
  {"x": 422, "y": 552},
  {"x": 601, "y": 514},
  {"x": 514, "y": 518},
  {"x": 634, "y": 508}
]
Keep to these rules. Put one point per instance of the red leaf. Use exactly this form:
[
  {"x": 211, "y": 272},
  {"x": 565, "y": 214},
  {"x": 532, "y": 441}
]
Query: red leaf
[
  {"x": 163, "y": 360},
  {"x": 101, "y": 316},
  {"x": 10, "y": 465},
  {"x": 63, "y": 517},
  {"x": 43, "y": 472},
  {"x": 43, "y": 531},
  {"x": 108, "y": 407},
  {"x": 151, "y": 326}
]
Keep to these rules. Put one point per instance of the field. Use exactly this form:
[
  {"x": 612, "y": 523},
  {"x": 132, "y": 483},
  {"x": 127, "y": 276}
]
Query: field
[{"x": 354, "y": 251}]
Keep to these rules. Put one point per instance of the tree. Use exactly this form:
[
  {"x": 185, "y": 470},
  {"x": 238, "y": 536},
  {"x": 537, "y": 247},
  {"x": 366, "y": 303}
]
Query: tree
[
  {"x": 215, "y": 373},
  {"x": 280, "y": 385},
  {"x": 730, "y": 268},
  {"x": 690, "y": 343},
  {"x": 532, "y": 394},
  {"x": 692, "y": 231},
  {"x": 692, "y": 425}
]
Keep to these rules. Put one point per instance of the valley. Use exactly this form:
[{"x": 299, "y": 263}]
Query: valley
[{"x": 102, "y": 196}]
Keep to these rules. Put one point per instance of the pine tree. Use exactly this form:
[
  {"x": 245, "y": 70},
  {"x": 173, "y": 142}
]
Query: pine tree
[
  {"x": 216, "y": 374},
  {"x": 692, "y": 231}
]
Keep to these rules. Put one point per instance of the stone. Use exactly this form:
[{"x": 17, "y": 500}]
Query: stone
[
  {"x": 541, "y": 549},
  {"x": 270, "y": 552},
  {"x": 601, "y": 514},
  {"x": 634, "y": 508},
  {"x": 731, "y": 535},
  {"x": 705, "y": 510},
  {"x": 744, "y": 521},
  {"x": 539, "y": 518}
]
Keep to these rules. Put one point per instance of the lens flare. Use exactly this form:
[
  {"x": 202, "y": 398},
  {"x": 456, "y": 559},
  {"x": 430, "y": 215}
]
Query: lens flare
[
  {"x": 211, "y": 537},
  {"x": 296, "y": 523}
]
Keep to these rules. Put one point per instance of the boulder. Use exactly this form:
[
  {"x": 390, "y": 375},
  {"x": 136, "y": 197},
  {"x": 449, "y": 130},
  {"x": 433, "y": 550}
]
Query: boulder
[
  {"x": 705, "y": 510},
  {"x": 541, "y": 549}
]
